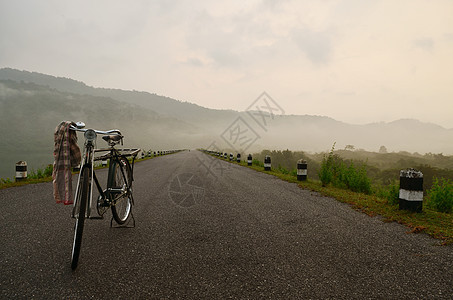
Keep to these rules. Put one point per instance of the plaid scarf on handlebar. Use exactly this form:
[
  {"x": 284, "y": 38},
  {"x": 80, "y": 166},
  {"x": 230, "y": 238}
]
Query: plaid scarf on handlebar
[{"x": 67, "y": 155}]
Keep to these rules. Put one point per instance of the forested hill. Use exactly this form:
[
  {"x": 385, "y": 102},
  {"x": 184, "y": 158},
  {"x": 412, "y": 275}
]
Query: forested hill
[
  {"x": 29, "y": 114},
  {"x": 163, "y": 105}
]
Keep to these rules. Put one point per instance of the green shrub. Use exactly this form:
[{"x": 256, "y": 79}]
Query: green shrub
[
  {"x": 393, "y": 193},
  {"x": 40, "y": 173},
  {"x": 390, "y": 192},
  {"x": 256, "y": 162},
  {"x": 32, "y": 174},
  {"x": 48, "y": 171},
  {"x": 5, "y": 180},
  {"x": 356, "y": 179},
  {"x": 282, "y": 170},
  {"x": 335, "y": 171},
  {"x": 440, "y": 196}
]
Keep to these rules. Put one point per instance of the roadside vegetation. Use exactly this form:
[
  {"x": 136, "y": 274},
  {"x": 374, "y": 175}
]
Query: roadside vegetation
[
  {"x": 370, "y": 184},
  {"x": 45, "y": 174}
]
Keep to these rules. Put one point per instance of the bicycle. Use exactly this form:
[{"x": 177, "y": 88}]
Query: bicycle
[{"x": 118, "y": 193}]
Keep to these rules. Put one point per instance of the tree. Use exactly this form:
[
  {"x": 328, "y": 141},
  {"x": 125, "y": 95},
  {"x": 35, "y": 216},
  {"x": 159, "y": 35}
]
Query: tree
[
  {"x": 349, "y": 147},
  {"x": 383, "y": 149}
]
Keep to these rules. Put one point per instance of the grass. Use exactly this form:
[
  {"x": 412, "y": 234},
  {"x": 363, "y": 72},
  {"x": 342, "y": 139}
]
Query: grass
[
  {"x": 436, "y": 224},
  {"x": 8, "y": 184}
]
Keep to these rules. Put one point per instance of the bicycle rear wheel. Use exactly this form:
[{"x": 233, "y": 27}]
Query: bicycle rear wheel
[
  {"x": 122, "y": 206},
  {"x": 81, "y": 202}
]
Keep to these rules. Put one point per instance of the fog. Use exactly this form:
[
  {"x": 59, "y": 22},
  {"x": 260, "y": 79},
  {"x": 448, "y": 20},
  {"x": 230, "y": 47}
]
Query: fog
[{"x": 358, "y": 62}]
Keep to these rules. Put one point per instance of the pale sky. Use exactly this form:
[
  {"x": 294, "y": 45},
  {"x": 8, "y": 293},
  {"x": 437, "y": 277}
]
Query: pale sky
[{"x": 355, "y": 61}]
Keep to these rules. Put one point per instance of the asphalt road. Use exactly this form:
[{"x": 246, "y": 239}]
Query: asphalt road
[{"x": 209, "y": 229}]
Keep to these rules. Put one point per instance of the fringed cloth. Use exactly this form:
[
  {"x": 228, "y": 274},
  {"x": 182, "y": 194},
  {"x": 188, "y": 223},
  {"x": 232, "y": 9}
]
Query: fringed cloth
[{"x": 67, "y": 155}]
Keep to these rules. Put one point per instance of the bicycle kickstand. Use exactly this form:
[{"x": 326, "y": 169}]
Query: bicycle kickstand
[{"x": 126, "y": 225}]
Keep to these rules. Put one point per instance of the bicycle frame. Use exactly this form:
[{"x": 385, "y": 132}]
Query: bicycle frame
[{"x": 88, "y": 162}]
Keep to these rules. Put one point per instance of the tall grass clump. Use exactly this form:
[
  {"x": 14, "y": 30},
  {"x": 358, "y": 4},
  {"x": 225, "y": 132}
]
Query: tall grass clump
[
  {"x": 283, "y": 170},
  {"x": 256, "y": 162},
  {"x": 440, "y": 196},
  {"x": 390, "y": 192},
  {"x": 5, "y": 180},
  {"x": 40, "y": 173},
  {"x": 326, "y": 173},
  {"x": 336, "y": 172},
  {"x": 356, "y": 179}
]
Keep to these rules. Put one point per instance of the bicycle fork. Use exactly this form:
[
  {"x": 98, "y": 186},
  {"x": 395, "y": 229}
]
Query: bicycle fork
[{"x": 88, "y": 162}]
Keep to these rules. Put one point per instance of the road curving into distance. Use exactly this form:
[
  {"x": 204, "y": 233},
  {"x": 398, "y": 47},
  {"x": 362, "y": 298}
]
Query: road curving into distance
[{"x": 209, "y": 229}]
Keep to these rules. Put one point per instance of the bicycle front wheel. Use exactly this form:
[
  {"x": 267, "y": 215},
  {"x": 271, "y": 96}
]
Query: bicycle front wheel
[
  {"x": 122, "y": 206},
  {"x": 81, "y": 202}
]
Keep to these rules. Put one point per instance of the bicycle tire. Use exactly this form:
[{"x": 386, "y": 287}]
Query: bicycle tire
[
  {"x": 80, "y": 217},
  {"x": 121, "y": 210}
]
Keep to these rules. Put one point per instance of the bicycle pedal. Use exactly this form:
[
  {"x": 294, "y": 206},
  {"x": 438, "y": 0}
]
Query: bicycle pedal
[{"x": 97, "y": 218}]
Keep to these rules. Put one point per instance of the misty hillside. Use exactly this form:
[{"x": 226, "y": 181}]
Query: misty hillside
[
  {"x": 184, "y": 111},
  {"x": 32, "y": 104},
  {"x": 29, "y": 114},
  {"x": 31, "y": 111}
]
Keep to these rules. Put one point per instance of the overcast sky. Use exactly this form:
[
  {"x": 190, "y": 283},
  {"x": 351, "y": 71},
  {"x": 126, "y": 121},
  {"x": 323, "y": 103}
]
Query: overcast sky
[{"x": 355, "y": 61}]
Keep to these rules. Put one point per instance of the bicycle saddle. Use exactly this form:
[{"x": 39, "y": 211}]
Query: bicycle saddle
[{"x": 112, "y": 138}]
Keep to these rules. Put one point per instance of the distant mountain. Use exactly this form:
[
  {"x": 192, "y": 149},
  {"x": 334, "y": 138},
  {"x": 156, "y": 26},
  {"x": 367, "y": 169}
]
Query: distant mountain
[
  {"x": 32, "y": 104},
  {"x": 319, "y": 133}
]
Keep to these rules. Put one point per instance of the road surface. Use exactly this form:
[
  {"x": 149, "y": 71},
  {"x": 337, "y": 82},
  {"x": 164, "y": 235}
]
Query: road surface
[{"x": 213, "y": 230}]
